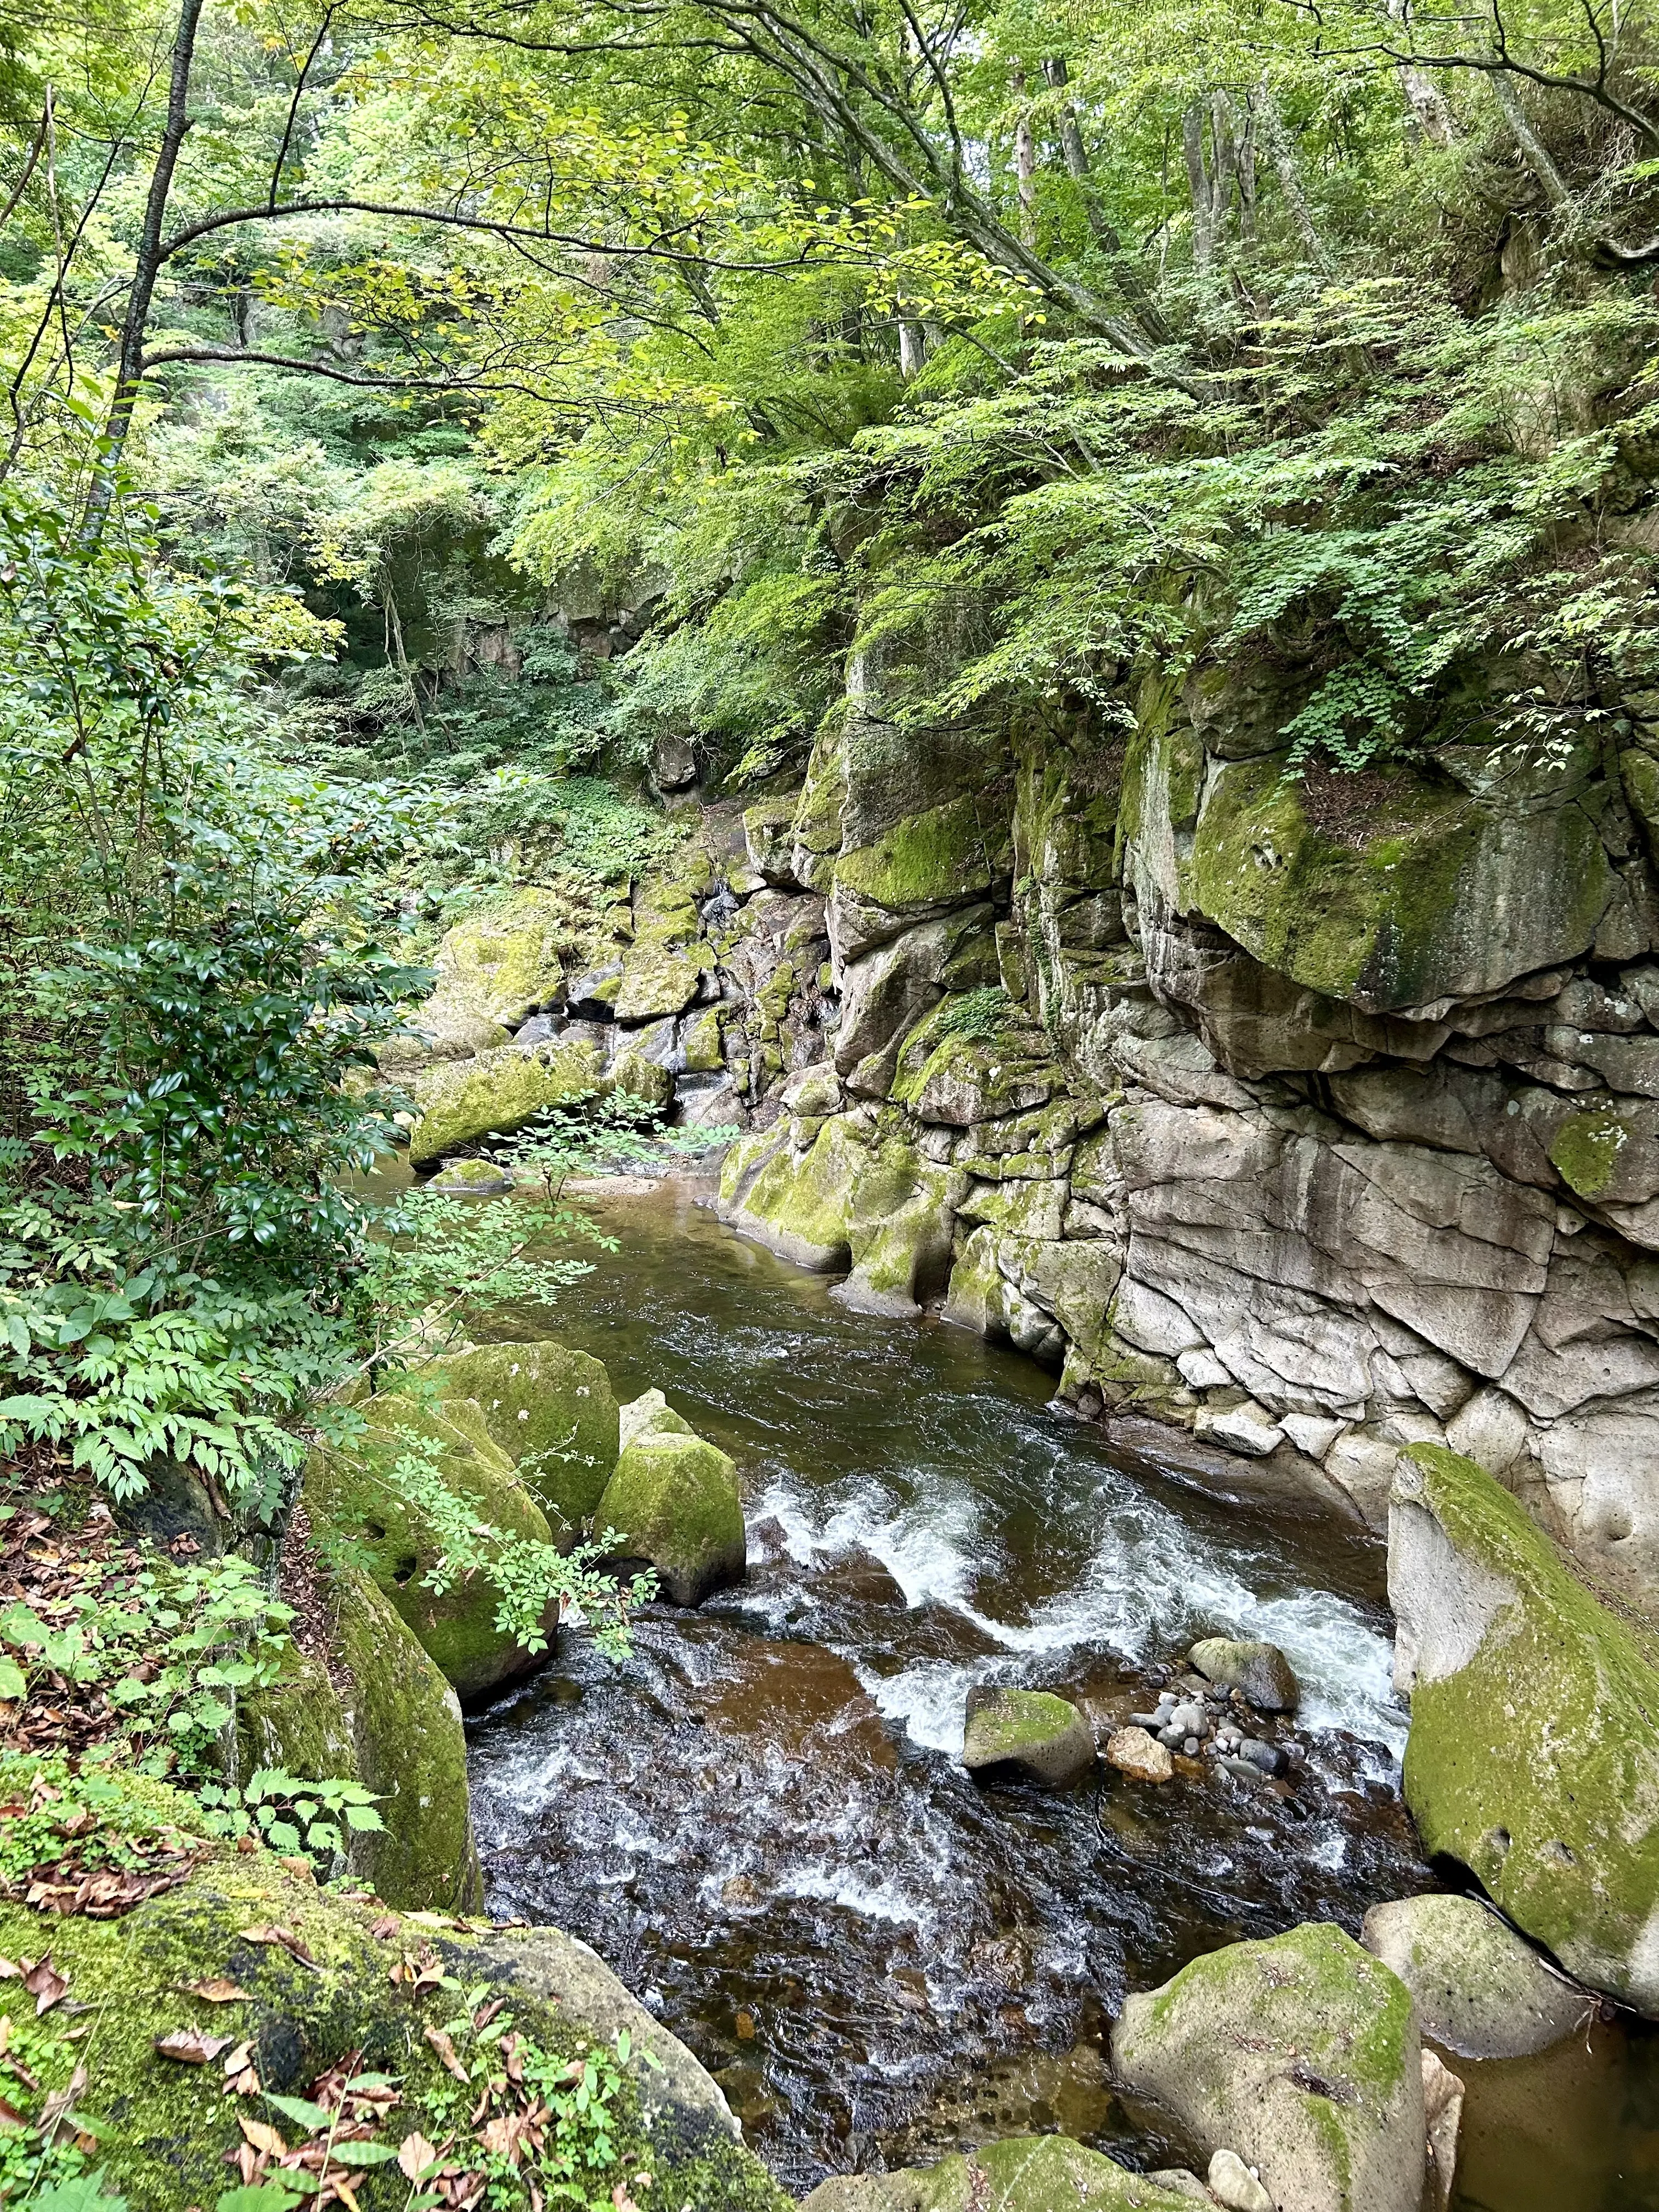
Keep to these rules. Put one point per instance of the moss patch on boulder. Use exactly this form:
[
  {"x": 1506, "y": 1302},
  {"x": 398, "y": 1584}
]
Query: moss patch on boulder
[
  {"x": 495, "y": 1094},
  {"x": 1302, "y": 2054},
  {"x": 1023, "y": 2174},
  {"x": 504, "y": 963},
  {"x": 1045, "y": 1736},
  {"x": 350, "y": 1492},
  {"x": 1533, "y": 1752},
  {"x": 550, "y": 1409},
  {"x": 673, "y": 1501},
  {"x": 166, "y": 2131}
]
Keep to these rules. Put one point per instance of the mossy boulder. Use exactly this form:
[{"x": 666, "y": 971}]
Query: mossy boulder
[
  {"x": 925, "y": 864},
  {"x": 1259, "y": 1671},
  {"x": 1301, "y": 2054},
  {"x": 662, "y": 968},
  {"x": 551, "y": 1410},
  {"x": 1033, "y": 1730},
  {"x": 959, "y": 1076},
  {"x": 1533, "y": 1752},
  {"x": 351, "y": 1491},
  {"x": 445, "y": 1028},
  {"x": 504, "y": 963},
  {"x": 1024, "y": 2173},
  {"x": 673, "y": 1501},
  {"x": 1434, "y": 894},
  {"x": 166, "y": 2131},
  {"x": 1478, "y": 1988},
  {"x": 796, "y": 1202},
  {"x": 376, "y": 1710},
  {"x": 495, "y": 1094}
]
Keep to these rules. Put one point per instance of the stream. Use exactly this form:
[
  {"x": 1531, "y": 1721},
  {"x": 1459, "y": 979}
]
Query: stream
[{"x": 759, "y": 1822}]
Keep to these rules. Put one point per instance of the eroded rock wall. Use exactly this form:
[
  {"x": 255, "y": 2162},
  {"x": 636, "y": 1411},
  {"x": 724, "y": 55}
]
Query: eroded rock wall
[{"x": 1320, "y": 1114}]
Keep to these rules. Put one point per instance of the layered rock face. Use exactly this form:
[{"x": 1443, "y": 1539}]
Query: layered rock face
[{"x": 1320, "y": 1114}]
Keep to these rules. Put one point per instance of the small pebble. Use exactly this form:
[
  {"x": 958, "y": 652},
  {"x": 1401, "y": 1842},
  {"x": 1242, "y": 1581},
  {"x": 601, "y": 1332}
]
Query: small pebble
[{"x": 1191, "y": 1746}]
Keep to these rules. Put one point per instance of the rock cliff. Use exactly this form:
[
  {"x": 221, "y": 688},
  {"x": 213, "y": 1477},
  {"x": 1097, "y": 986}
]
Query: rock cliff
[{"x": 1317, "y": 1113}]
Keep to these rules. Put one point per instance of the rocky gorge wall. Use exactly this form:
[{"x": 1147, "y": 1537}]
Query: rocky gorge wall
[{"x": 1319, "y": 1115}]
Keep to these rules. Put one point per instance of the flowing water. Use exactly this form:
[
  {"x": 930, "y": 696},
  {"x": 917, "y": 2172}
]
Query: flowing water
[{"x": 759, "y": 1821}]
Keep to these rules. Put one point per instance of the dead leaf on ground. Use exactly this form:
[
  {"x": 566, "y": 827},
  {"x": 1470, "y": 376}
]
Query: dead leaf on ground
[
  {"x": 218, "y": 1992},
  {"x": 385, "y": 1927},
  {"x": 415, "y": 2154},
  {"x": 262, "y": 2136},
  {"x": 295, "y": 1945},
  {"x": 445, "y": 2050},
  {"x": 192, "y": 2046},
  {"x": 43, "y": 1984}
]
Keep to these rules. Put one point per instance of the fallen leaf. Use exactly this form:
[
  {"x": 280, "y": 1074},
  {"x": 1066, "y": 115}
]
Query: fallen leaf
[
  {"x": 414, "y": 2155},
  {"x": 445, "y": 2050},
  {"x": 262, "y": 2136},
  {"x": 56, "y": 2108},
  {"x": 240, "y": 2057},
  {"x": 9, "y": 1970},
  {"x": 293, "y": 1944},
  {"x": 385, "y": 1927},
  {"x": 11, "y": 2117},
  {"x": 218, "y": 1992},
  {"x": 192, "y": 2046},
  {"x": 43, "y": 1984}
]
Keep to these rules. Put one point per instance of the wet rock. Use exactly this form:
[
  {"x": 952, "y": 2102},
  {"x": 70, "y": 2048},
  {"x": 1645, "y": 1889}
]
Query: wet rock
[
  {"x": 1480, "y": 1990},
  {"x": 550, "y": 1408},
  {"x": 1236, "y": 2186},
  {"x": 1301, "y": 2054},
  {"x": 1046, "y": 1736},
  {"x": 593, "y": 994},
  {"x": 1266, "y": 1756},
  {"x": 1442, "y": 2113},
  {"x": 1026, "y": 2173},
  {"x": 1534, "y": 1753},
  {"x": 1134, "y": 1753},
  {"x": 1181, "y": 2182},
  {"x": 478, "y": 1178},
  {"x": 1260, "y": 1672},
  {"x": 1243, "y": 1429}
]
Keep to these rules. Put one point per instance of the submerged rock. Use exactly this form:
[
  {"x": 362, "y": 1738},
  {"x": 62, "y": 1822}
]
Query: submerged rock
[
  {"x": 475, "y": 1178},
  {"x": 1259, "y": 1671},
  {"x": 1302, "y": 2054},
  {"x": 1026, "y": 2173},
  {"x": 673, "y": 1501},
  {"x": 1044, "y": 1735},
  {"x": 1534, "y": 1753},
  {"x": 1478, "y": 1989}
]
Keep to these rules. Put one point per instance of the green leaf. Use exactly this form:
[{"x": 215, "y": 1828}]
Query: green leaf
[
  {"x": 12, "y": 1682},
  {"x": 362, "y": 2154},
  {"x": 364, "y": 1819},
  {"x": 301, "y": 2110}
]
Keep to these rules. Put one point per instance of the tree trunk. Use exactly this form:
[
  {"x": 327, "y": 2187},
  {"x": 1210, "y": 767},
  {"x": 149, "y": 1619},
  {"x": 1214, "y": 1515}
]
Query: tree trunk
[
  {"x": 1538, "y": 157},
  {"x": 1073, "y": 153},
  {"x": 1025, "y": 165},
  {"x": 1201, "y": 185},
  {"x": 145, "y": 267},
  {"x": 1281, "y": 152}
]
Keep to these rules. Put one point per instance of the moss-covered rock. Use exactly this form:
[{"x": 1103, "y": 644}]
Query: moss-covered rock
[
  {"x": 1480, "y": 1990},
  {"x": 504, "y": 963},
  {"x": 662, "y": 968},
  {"x": 796, "y": 1203},
  {"x": 445, "y": 1028},
  {"x": 1025, "y": 2173},
  {"x": 349, "y": 1491},
  {"x": 497, "y": 1093},
  {"x": 933, "y": 860},
  {"x": 1438, "y": 897},
  {"x": 1533, "y": 1752},
  {"x": 960, "y": 1074},
  {"x": 673, "y": 1501},
  {"x": 1260, "y": 1672},
  {"x": 379, "y": 1712},
  {"x": 551, "y": 1410},
  {"x": 166, "y": 2131},
  {"x": 1303, "y": 2055},
  {"x": 1043, "y": 1735}
]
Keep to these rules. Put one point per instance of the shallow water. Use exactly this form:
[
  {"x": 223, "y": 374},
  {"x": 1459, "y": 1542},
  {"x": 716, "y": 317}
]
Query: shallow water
[{"x": 759, "y": 1821}]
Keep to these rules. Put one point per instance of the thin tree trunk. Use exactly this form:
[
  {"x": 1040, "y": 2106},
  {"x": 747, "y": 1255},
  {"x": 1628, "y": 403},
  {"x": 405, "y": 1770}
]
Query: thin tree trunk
[
  {"x": 1422, "y": 96},
  {"x": 1532, "y": 146},
  {"x": 1075, "y": 156},
  {"x": 1282, "y": 154},
  {"x": 147, "y": 266},
  {"x": 1025, "y": 165},
  {"x": 1202, "y": 186}
]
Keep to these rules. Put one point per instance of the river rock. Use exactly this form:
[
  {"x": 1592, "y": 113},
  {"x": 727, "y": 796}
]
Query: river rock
[
  {"x": 1259, "y": 1671},
  {"x": 475, "y": 1178},
  {"x": 1139, "y": 1755},
  {"x": 1236, "y": 2186},
  {"x": 504, "y": 963},
  {"x": 1302, "y": 2054},
  {"x": 1045, "y": 1735},
  {"x": 1533, "y": 1752},
  {"x": 552, "y": 1411},
  {"x": 1442, "y": 2115},
  {"x": 673, "y": 1501},
  {"x": 1024, "y": 2173},
  {"x": 1480, "y": 1990},
  {"x": 497, "y": 1094}
]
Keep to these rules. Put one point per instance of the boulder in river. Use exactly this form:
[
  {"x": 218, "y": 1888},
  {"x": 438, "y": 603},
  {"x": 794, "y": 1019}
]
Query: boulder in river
[
  {"x": 552, "y": 1409},
  {"x": 497, "y": 1093},
  {"x": 1534, "y": 1753},
  {"x": 1302, "y": 2054},
  {"x": 673, "y": 1501},
  {"x": 504, "y": 963},
  {"x": 1023, "y": 2174},
  {"x": 1134, "y": 1752},
  {"x": 1479, "y": 1989},
  {"x": 1043, "y": 1735},
  {"x": 1259, "y": 1671}
]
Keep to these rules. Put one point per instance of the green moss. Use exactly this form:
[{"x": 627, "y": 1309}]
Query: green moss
[
  {"x": 1405, "y": 914},
  {"x": 1022, "y": 2173},
  {"x": 349, "y": 1494},
  {"x": 550, "y": 1409},
  {"x": 1020, "y": 1721},
  {"x": 799, "y": 1205},
  {"x": 166, "y": 2131},
  {"x": 1586, "y": 1149},
  {"x": 498, "y": 1093},
  {"x": 674, "y": 1500},
  {"x": 504, "y": 962},
  {"x": 296, "y": 1723},
  {"x": 702, "y": 1043},
  {"x": 929, "y": 858},
  {"x": 658, "y": 979},
  {"x": 1537, "y": 1762}
]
